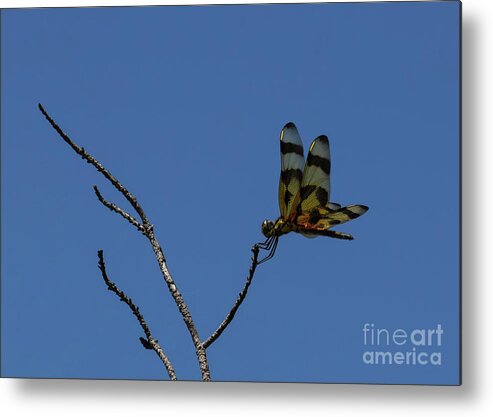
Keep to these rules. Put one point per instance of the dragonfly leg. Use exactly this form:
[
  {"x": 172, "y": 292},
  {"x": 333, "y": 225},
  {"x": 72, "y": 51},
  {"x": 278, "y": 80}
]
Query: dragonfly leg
[
  {"x": 267, "y": 244},
  {"x": 271, "y": 249}
]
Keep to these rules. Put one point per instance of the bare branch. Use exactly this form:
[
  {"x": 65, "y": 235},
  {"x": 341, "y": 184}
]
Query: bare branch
[
  {"x": 149, "y": 342},
  {"x": 239, "y": 300},
  {"x": 149, "y": 233},
  {"x": 116, "y": 209},
  {"x": 200, "y": 350},
  {"x": 91, "y": 160}
]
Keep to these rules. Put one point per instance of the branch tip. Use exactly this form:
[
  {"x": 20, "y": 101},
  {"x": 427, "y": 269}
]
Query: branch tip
[
  {"x": 135, "y": 310},
  {"x": 145, "y": 343}
]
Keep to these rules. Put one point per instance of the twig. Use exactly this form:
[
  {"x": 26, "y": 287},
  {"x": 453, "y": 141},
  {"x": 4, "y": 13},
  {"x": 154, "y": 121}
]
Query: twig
[
  {"x": 149, "y": 342},
  {"x": 149, "y": 233},
  {"x": 116, "y": 209},
  {"x": 87, "y": 157},
  {"x": 239, "y": 300}
]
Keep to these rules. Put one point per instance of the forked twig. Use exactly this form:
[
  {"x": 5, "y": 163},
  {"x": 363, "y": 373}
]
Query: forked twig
[
  {"x": 149, "y": 233},
  {"x": 87, "y": 157},
  {"x": 118, "y": 210},
  {"x": 150, "y": 342},
  {"x": 239, "y": 300}
]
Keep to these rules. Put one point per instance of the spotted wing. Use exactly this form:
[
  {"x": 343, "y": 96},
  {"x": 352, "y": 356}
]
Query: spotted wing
[
  {"x": 323, "y": 218},
  {"x": 315, "y": 186},
  {"x": 292, "y": 162}
]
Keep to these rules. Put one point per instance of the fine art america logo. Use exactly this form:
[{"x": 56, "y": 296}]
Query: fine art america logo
[{"x": 402, "y": 347}]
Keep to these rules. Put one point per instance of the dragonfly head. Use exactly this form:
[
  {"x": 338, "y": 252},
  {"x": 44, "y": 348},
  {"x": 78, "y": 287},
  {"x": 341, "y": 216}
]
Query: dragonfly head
[{"x": 268, "y": 228}]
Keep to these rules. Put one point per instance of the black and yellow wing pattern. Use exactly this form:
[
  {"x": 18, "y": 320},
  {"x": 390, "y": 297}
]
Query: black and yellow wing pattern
[
  {"x": 315, "y": 185},
  {"x": 315, "y": 212},
  {"x": 304, "y": 193},
  {"x": 292, "y": 163}
]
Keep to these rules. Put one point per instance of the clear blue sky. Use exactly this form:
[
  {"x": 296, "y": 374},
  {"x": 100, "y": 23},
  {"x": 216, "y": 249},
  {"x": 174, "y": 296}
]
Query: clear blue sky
[{"x": 184, "y": 105}]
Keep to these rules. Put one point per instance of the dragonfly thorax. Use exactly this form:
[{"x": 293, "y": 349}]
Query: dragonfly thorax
[{"x": 277, "y": 228}]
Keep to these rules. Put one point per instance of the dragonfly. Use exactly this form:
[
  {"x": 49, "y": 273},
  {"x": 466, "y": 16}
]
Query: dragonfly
[{"x": 304, "y": 192}]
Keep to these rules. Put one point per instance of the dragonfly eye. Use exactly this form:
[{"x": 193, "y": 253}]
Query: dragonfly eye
[{"x": 267, "y": 228}]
